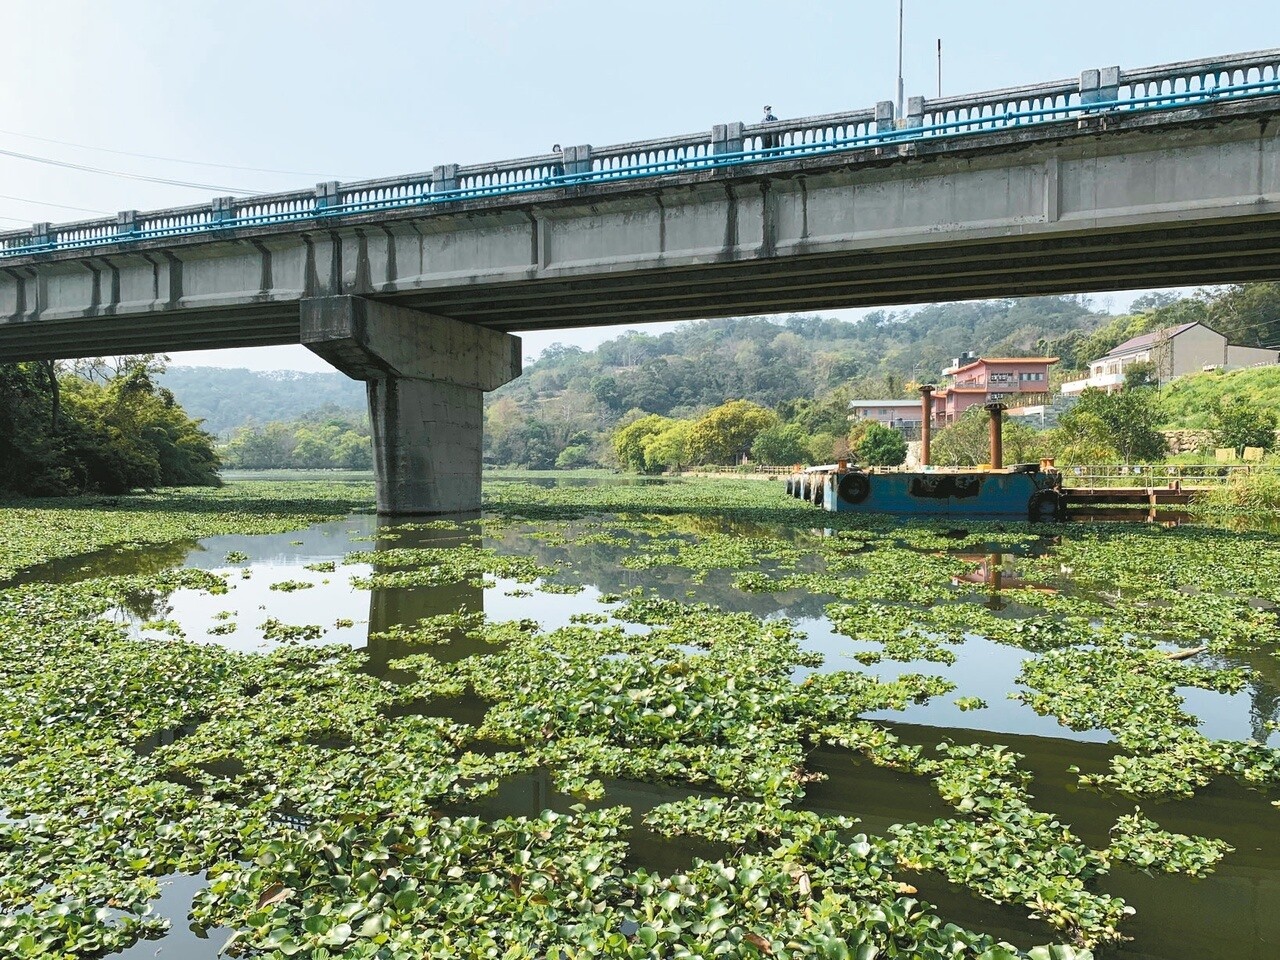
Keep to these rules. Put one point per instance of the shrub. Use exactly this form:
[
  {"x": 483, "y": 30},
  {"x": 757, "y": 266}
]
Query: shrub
[{"x": 881, "y": 446}]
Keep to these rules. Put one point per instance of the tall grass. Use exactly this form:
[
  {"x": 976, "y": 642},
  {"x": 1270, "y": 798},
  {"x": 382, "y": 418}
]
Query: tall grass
[{"x": 1244, "y": 493}]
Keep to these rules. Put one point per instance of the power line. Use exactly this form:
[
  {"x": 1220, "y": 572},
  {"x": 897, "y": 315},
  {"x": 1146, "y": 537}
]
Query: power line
[
  {"x": 149, "y": 156},
  {"x": 120, "y": 173},
  {"x": 47, "y": 203}
]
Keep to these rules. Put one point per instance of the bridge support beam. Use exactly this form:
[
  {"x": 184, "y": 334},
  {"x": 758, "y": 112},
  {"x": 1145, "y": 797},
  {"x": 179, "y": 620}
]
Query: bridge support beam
[{"x": 426, "y": 377}]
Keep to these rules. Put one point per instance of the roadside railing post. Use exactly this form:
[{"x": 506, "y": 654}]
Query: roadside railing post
[
  {"x": 328, "y": 195},
  {"x": 126, "y": 223},
  {"x": 884, "y": 117},
  {"x": 576, "y": 160},
  {"x": 41, "y": 234},
  {"x": 915, "y": 113},
  {"x": 727, "y": 138},
  {"x": 444, "y": 178},
  {"x": 1099, "y": 86},
  {"x": 223, "y": 209}
]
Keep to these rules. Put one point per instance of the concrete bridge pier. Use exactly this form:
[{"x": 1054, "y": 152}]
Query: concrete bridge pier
[{"x": 426, "y": 376}]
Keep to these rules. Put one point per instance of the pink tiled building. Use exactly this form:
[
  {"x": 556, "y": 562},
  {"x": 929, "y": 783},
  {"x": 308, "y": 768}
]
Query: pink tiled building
[{"x": 1013, "y": 381}]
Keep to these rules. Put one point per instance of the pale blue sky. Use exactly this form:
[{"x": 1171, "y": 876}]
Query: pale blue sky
[{"x": 352, "y": 90}]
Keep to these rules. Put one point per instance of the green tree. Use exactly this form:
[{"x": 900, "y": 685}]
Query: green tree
[
  {"x": 605, "y": 391},
  {"x": 315, "y": 448},
  {"x": 967, "y": 441},
  {"x": 1142, "y": 373},
  {"x": 1083, "y": 438},
  {"x": 1236, "y": 423},
  {"x": 573, "y": 456},
  {"x": 881, "y": 446},
  {"x": 781, "y": 444},
  {"x": 354, "y": 451},
  {"x": 727, "y": 432},
  {"x": 1131, "y": 418},
  {"x": 269, "y": 447},
  {"x": 34, "y": 458},
  {"x": 61, "y": 433},
  {"x": 670, "y": 448},
  {"x": 963, "y": 443},
  {"x": 822, "y": 447},
  {"x": 629, "y": 441}
]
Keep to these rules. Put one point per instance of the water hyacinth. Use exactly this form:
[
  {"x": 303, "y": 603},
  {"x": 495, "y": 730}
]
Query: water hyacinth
[{"x": 342, "y": 802}]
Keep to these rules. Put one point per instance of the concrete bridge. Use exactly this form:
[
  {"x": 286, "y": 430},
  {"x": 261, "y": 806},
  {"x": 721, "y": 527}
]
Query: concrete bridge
[{"x": 1162, "y": 176}]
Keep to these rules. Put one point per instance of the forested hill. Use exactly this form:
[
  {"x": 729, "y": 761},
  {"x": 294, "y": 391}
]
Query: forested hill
[
  {"x": 775, "y": 361},
  {"x": 699, "y": 365},
  {"x": 567, "y": 405},
  {"x": 225, "y": 399}
]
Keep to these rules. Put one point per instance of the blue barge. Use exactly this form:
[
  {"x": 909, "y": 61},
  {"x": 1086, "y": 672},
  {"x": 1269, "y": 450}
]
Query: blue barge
[
  {"x": 1028, "y": 491},
  {"x": 1025, "y": 491}
]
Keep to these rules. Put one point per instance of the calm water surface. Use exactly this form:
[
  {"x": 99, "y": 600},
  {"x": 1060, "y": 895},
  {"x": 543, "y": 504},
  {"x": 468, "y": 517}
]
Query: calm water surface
[{"x": 1234, "y": 913}]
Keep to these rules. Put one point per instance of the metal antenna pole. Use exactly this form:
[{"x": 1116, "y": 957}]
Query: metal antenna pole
[
  {"x": 939, "y": 67},
  {"x": 900, "y": 5}
]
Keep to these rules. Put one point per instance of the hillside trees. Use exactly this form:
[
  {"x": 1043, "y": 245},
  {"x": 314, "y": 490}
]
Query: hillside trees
[
  {"x": 781, "y": 444},
  {"x": 629, "y": 442},
  {"x": 325, "y": 439},
  {"x": 1246, "y": 313},
  {"x": 1131, "y": 419},
  {"x": 726, "y": 433},
  {"x": 805, "y": 367},
  {"x": 1237, "y": 423},
  {"x": 229, "y": 398},
  {"x": 61, "y": 433}
]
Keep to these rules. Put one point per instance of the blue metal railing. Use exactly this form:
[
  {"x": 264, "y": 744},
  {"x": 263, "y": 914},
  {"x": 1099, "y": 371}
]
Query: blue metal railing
[{"x": 294, "y": 208}]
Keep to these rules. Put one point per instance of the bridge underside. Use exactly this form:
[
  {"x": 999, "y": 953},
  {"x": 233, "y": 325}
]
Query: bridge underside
[
  {"x": 1121, "y": 260},
  {"x": 1175, "y": 255}
]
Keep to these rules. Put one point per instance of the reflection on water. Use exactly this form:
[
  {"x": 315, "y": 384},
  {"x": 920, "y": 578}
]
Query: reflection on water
[
  {"x": 1228, "y": 914},
  {"x": 182, "y": 941}
]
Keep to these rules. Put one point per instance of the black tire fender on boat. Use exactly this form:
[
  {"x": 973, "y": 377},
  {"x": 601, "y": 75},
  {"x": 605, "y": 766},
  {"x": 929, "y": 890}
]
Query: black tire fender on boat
[
  {"x": 854, "y": 487},
  {"x": 1044, "y": 506}
]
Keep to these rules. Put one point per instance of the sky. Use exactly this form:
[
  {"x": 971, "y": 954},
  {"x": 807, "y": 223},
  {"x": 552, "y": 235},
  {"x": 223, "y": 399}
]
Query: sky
[{"x": 270, "y": 95}]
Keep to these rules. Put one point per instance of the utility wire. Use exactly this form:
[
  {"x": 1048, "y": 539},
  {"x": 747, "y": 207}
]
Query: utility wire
[
  {"x": 46, "y": 203},
  {"x": 120, "y": 173},
  {"x": 148, "y": 156}
]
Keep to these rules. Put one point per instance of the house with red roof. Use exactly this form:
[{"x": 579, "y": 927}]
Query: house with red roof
[{"x": 1173, "y": 351}]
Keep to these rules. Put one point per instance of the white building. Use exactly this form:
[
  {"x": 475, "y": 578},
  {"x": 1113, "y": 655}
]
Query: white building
[
  {"x": 903, "y": 415},
  {"x": 1174, "y": 351}
]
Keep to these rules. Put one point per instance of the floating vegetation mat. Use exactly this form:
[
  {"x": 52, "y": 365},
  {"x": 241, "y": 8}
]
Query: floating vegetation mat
[{"x": 661, "y": 720}]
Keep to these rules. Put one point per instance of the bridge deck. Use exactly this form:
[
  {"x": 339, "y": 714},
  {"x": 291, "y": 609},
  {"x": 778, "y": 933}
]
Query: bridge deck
[{"x": 1158, "y": 177}]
